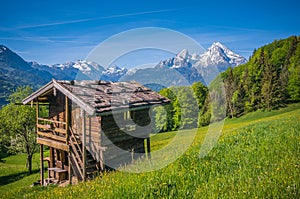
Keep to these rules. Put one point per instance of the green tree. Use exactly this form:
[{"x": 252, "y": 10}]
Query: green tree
[
  {"x": 164, "y": 116},
  {"x": 205, "y": 113},
  {"x": 200, "y": 92},
  {"x": 270, "y": 92},
  {"x": 231, "y": 91},
  {"x": 18, "y": 123},
  {"x": 293, "y": 86},
  {"x": 188, "y": 107}
]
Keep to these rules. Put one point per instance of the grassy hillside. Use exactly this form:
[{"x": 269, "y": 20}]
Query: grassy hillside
[{"x": 257, "y": 156}]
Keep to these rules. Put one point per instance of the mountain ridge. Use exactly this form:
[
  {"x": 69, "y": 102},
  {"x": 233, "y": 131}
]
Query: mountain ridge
[{"x": 184, "y": 67}]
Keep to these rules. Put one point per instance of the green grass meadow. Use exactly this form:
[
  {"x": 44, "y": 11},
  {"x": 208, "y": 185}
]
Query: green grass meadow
[{"x": 256, "y": 156}]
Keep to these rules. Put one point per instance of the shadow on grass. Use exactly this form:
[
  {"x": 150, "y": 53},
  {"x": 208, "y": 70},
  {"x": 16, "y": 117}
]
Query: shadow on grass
[{"x": 16, "y": 176}]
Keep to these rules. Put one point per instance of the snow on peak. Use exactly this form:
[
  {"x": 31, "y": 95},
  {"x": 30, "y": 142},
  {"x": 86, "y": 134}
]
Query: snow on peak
[
  {"x": 183, "y": 54},
  {"x": 218, "y": 44},
  {"x": 113, "y": 73},
  {"x": 82, "y": 65},
  {"x": 114, "y": 70},
  {"x": 219, "y": 54},
  {"x": 2, "y": 48}
]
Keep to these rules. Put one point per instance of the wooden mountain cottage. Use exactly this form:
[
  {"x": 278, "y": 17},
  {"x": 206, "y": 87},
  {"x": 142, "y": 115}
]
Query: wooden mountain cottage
[{"x": 92, "y": 125}]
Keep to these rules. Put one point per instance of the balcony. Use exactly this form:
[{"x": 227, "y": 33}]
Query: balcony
[{"x": 52, "y": 133}]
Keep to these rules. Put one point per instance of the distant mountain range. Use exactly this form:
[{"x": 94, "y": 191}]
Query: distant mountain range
[{"x": 183, "y": 69}]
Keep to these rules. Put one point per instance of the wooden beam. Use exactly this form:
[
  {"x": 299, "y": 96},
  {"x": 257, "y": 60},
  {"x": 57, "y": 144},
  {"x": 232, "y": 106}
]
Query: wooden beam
[
  {"x": 42, "y": 165},
  {"x": 52, "y": 136},
  {"x": 59, "y": 130},
  {"x": 67, "y": 119},
  {"x": 53, "y": 121},
  {"x": 70, "y": 167},
  {"x": 38, "y": 92},
  {"x": 43, "y": 126},
  {"x": 52, "y": 158},
  {"x": 148, "y": 148},
  {"x": 84, "y": 143},
  {"x": 52, "y": 143},
  {"x": 37, "y": 113}
]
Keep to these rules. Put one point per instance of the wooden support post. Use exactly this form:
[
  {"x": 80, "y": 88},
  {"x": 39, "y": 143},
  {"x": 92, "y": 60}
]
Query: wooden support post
[
  {"x": 83, "y": 143},
  {"x": 42, "y": 164},
  {"x": 70, "y": 167},
  {"x": 51, "y": 162},
  {"x": 67, "y": 120},
  {"x": 68, "y": 138},
  {"x": 37, "y": 113},
  {"x": 148, "y": 148}
]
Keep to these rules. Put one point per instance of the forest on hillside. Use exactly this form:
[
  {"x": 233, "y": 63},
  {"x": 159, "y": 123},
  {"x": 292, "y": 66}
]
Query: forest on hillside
[{"x": 269, "y": 80}]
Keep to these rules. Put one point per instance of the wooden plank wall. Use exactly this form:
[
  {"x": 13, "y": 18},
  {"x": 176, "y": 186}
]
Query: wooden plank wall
[
  {"x": 107, "y": 139},
  {"x": 123, "y": 146},
  {"x": 93, "y": 135},
  {"x": 93, "y": 138},
  {"x": 57, "y": 109}
]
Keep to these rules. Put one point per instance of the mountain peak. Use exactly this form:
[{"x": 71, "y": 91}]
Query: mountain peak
[
  {"x": 113, "y": 73},
  {"x": 219, "y": 55},
  {"x": 183, "y": 54},
  {"x": 2, "y": 48},
  {"x": 219, "y": 44}
]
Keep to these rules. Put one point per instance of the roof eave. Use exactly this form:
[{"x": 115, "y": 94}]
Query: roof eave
[
  {"x": 38, "y": 93},
  {"x": 90, "y": 110}
]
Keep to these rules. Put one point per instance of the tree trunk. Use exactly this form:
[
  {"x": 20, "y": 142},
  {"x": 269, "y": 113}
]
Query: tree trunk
[{"x": 29, "y": 163}]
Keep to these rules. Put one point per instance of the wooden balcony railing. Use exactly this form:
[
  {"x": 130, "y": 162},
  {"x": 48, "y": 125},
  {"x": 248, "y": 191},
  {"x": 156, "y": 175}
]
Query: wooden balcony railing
[{"x": 51, "y": 129}]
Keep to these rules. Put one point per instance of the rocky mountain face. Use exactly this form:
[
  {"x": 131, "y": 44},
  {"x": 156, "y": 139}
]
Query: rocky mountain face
[
  {"x": 220, "y": 56},
  {"x": 14, "y": 72},
  {"x": 194, "y": 67},
  {"x": 80, "y": 70}
]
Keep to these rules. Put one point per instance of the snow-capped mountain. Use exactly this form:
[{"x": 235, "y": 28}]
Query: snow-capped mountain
[
  {"x": 192, "y": 67},
  {"x": 183, "y": 69},
  {"x": 84, "y": 66},
  {"x": 113, "y": 73},
  {"x": 85, "y": 69},
  {"x": 182, "y": 59},
  {"x": 221, "y": 56},
  {"x": 182, "y": 63},
  {"x": 80, "y": 69},
  {"x": 218, "y": 55},
  {"x": 203, "y": 67}
]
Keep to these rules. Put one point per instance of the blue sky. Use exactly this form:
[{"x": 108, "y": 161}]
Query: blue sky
[{"x": 52, "y": 32}]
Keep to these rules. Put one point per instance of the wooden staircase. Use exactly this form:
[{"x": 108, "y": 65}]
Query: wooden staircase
[{"x": 82, "y": 170}]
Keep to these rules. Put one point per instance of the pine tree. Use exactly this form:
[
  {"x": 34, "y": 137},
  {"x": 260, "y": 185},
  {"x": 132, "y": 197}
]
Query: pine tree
[
  {"x": 270, "y": 91},
  {"x": 230, "y": 89}
]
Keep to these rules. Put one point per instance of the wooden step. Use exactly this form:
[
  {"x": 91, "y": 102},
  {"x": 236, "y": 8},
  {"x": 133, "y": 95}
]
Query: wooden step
[
  {"x": 91, "y": 166},
  {"x": 90, "y": 160}
]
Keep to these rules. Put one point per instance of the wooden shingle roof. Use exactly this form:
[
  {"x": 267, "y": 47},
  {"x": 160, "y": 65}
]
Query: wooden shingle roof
[{"x": 98, "y": 97}]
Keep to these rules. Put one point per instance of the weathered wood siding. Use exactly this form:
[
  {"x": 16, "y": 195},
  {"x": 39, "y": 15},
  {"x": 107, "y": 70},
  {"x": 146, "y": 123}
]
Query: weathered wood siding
[
  {"x": 114, "y": 140},
  {"x": 93, "y": 132},
  {"x": 124, "y": 138},
  {"x": 57, "y": 109}
]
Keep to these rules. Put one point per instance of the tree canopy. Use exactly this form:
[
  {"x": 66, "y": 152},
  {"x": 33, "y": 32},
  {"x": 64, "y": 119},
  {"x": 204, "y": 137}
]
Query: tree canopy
[{"x": 18, "y": 126}]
